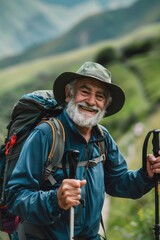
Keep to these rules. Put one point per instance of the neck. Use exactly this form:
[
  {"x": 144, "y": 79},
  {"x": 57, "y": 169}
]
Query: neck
[{"x": 85, "y": 131}]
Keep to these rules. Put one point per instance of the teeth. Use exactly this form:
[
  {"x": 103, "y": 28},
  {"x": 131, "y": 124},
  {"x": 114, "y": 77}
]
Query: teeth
[{"x": 88, "y": 109}]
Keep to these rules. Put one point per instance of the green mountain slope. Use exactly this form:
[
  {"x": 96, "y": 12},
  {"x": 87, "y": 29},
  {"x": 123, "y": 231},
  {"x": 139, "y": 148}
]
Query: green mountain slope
[
  {"x": 133, "y": 75},
  {"x": 107, "y": 25},
  {"x": 27, "y": 23}
]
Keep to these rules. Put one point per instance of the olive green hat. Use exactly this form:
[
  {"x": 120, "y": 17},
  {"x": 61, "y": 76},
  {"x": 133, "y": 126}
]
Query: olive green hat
[{"x": 95, "y": 71}]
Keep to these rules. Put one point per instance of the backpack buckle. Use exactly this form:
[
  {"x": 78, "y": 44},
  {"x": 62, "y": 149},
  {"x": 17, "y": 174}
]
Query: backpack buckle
[
  {"x": 95, "y": 161},
  {"x": 92, "y": 163}
]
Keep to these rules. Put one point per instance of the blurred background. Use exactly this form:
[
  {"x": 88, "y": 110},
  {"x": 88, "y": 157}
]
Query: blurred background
[{"x": 40, "y": 39}]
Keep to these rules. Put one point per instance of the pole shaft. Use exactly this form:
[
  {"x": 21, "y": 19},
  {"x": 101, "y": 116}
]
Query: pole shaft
[
  {"x": 71, "y": 223},
  {"x": 73, "y": 161}
]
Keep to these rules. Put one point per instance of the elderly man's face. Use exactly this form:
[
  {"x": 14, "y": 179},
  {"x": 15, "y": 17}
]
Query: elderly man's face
[
  {"x": 93, "y": 93},
  {"x": 87, "y": 106}
]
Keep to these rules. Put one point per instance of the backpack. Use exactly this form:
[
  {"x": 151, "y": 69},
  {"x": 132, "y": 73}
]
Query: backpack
[{"x": 30, "y": 110}]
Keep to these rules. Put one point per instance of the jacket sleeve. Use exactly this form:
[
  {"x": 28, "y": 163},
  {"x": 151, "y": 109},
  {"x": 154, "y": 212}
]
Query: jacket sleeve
[
  {"x": 119, "y": 181},
  {"x": 24, "y": 196}
]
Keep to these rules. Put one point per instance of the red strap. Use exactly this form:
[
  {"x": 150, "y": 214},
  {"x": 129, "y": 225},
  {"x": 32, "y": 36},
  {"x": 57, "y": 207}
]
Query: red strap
[{"x": 11, "y": 143}]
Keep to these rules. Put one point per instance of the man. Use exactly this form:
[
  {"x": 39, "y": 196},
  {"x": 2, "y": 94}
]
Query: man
[{"x": 87, "y": 96}]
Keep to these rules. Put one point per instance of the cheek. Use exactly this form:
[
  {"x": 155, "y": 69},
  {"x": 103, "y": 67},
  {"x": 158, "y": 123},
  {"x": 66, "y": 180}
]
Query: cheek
[
  {"x": 102, "y": 106},
  {"x": 78, "y": 98}
]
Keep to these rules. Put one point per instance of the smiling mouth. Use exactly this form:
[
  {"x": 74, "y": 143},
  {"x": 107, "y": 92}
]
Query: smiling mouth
[{"x": 88, "y": 109}]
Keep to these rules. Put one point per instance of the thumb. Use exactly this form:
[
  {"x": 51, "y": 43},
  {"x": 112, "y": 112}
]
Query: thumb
[{"x": 83, "y": 182}]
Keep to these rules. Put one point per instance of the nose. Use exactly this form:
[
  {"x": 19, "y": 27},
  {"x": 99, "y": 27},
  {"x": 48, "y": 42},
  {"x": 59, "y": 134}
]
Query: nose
[{"x": 91, "y": 99}]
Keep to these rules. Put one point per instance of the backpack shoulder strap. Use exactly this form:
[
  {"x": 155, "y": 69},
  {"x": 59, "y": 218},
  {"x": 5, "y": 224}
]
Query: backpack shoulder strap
[
  {"x": 57, "y": 148},
  {"x": 103, "y": 150},
  {"x": 102, "y": 144}
]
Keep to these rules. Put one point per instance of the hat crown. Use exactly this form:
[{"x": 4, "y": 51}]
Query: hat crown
[{"x": 95, "y": 70}]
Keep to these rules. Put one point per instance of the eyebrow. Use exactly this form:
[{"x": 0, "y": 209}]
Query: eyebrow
[{"x": 87, "y": 87}]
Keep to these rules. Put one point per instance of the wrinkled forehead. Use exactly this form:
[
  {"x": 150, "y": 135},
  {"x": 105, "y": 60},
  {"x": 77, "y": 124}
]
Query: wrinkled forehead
[{"x": 92, "y": 83}]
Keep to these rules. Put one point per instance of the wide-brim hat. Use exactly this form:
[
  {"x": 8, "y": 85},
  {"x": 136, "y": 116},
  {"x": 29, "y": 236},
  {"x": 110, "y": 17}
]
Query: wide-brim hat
[{"x": 94, "y": 71}]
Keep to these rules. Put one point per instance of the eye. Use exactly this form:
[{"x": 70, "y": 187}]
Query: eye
[
  {"x": 100, "y": 97},
  {"x": 84, "y": 92}
]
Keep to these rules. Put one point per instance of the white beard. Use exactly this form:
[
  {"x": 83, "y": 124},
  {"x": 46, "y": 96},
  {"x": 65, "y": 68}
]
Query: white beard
[{"x": 80, "y": 118}]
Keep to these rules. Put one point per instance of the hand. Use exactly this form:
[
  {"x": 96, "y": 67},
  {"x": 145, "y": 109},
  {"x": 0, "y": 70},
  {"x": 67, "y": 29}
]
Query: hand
[
  {"x": 69, "y": 193},
  {"x": 153, "y": 164}
]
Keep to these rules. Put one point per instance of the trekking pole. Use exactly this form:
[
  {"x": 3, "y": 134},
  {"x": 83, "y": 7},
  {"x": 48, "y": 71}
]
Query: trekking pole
[
  {"x": 73, "y": 161},
  {"x": 156, "y": 149},
  {"x": 72, "y": 157}
]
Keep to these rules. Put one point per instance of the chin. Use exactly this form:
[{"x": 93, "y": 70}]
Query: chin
[{"x": 87, "y": 116}]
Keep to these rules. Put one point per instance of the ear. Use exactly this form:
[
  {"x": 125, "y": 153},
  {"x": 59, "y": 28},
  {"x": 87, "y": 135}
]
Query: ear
[{"x": 67, "y": 94}]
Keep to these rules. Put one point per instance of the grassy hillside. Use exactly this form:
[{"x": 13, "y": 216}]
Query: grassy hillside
[
  {"x": 23, "y": 73},
  {"x": 133, "y": 75},
  {"x": 139, "y": 77},
  {"x": 147, "y": 68},
  {"x": 135, "y": 217},
  {"x": 98, "y": 27},
  {"x": 140, "y": 81}
]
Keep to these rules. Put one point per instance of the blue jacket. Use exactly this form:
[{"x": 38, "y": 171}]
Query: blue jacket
[{"x": 36, "y": 201}]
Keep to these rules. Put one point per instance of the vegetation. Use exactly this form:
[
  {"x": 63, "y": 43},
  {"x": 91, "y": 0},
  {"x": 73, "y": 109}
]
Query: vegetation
[
  {"x": 140, "y": 80},
  {"x": 138, "y": 47},
  {"x": 138, "y": 75},
  {"x": 107, "y": 55},
  {"x": 134, "y": 219}
]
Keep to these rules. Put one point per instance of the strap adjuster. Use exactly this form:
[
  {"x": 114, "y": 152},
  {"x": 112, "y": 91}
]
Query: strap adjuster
[
  {"x": 91, "y": 163},
  {"x": 94, "y": 162}
]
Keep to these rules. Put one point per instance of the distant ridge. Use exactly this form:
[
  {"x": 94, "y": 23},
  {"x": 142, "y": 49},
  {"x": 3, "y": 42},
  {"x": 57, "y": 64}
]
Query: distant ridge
[
  {"x": 27, "y": 23},
  {"x": 103, "y": 26}
]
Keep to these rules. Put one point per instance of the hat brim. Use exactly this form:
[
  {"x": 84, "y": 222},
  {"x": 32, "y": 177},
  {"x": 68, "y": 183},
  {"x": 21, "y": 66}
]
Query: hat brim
[{"x": 117, "y": 94}]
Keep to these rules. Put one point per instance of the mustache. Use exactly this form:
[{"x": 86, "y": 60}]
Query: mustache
[{"x": 87, "y": 106}]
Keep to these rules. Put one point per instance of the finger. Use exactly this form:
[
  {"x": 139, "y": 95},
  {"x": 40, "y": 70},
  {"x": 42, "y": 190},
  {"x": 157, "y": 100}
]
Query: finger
[
  {"x": 150, "y": 166},
  {"x": 83, "y": 183},
  {"x": 155, "y": 167},
  {"x": 151, "y": 158}
]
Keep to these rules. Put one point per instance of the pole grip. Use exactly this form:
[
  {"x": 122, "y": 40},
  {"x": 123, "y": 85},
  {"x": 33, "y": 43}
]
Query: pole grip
[
  {"x": 73, "y": 161},
  {"x": 70, "y": 162},
  {"x": 156, "y": 142}
]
